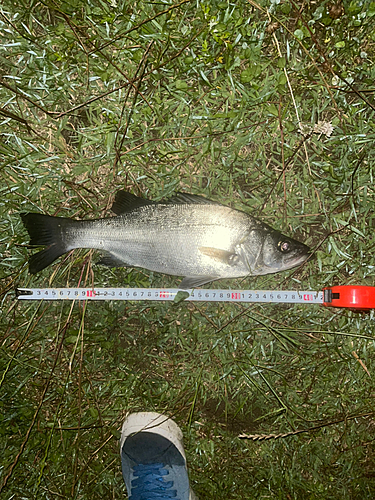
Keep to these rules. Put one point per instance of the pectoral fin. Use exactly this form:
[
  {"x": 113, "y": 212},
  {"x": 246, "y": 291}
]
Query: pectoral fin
[{"x": 223, "y": 256}]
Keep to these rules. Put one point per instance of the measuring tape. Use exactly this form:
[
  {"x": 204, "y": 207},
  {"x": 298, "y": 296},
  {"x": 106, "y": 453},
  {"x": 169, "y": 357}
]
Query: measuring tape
[{"x": 358, "y": 298}]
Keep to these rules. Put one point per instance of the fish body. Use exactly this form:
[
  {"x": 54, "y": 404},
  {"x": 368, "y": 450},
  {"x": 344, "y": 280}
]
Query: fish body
[{"x": 186, "y": 236}]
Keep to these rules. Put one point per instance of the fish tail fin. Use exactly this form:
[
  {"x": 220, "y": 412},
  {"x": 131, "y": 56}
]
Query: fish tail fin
[{"x": 48, "y": 231}]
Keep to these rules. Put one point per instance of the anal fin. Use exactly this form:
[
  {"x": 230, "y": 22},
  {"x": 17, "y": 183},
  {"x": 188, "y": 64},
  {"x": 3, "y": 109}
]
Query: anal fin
[
  {"x": 195, "y": 281},
  {"x": 110, "y": 260}
]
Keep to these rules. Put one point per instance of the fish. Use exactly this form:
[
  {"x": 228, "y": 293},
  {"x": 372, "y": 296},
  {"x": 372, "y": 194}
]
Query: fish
[{"x": 187, "y": 235}]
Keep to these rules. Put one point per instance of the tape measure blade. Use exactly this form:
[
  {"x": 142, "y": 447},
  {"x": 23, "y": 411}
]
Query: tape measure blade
[{"x": 169, "y": 294}]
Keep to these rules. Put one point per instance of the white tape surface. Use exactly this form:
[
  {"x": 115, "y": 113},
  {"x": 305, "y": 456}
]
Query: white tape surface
[{"x": 197, "y": 295}]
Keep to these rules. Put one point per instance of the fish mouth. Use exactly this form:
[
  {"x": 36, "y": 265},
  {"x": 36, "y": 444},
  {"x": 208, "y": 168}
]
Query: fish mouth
[
  {"x": 289, "y": 263},
  {"x": 299, "y": 259}
]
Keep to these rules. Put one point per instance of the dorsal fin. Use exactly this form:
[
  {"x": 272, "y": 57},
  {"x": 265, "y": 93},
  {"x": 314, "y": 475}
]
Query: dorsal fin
[
  {"x": 186, "y": 199},
  {"x": 126, "y": 202}
]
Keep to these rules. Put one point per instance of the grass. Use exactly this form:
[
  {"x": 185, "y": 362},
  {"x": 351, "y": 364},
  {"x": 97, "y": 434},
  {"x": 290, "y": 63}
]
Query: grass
[{"x": 207, "y": 98}]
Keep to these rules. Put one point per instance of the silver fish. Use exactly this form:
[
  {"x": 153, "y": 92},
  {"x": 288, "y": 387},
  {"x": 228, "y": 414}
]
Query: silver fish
[{"x": 187, "y": 235}]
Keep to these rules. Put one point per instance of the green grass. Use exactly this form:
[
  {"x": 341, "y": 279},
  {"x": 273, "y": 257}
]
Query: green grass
[{"x": 205, "y": 98}]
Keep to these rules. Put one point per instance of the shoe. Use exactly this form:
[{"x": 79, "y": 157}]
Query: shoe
[{"x": 153, "y": 458}]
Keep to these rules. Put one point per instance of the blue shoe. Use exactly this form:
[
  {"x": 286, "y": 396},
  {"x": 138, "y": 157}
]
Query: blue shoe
[{"x": 153, "y": 458}]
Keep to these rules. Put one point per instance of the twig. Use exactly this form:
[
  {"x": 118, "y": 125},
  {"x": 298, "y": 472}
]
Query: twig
[
  {"x": 266, "y": 437},
  {"x": 122, "y": 35},
  {"x": 15, "y": 462},
  {"x": 141, "y": 68}
]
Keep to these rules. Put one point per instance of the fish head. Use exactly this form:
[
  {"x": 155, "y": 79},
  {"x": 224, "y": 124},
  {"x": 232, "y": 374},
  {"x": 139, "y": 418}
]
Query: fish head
[{"x": 275, "y": 252}]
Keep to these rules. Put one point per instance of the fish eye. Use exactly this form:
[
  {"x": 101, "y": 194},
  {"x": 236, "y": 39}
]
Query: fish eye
[{"x": 283, "y": 246}]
